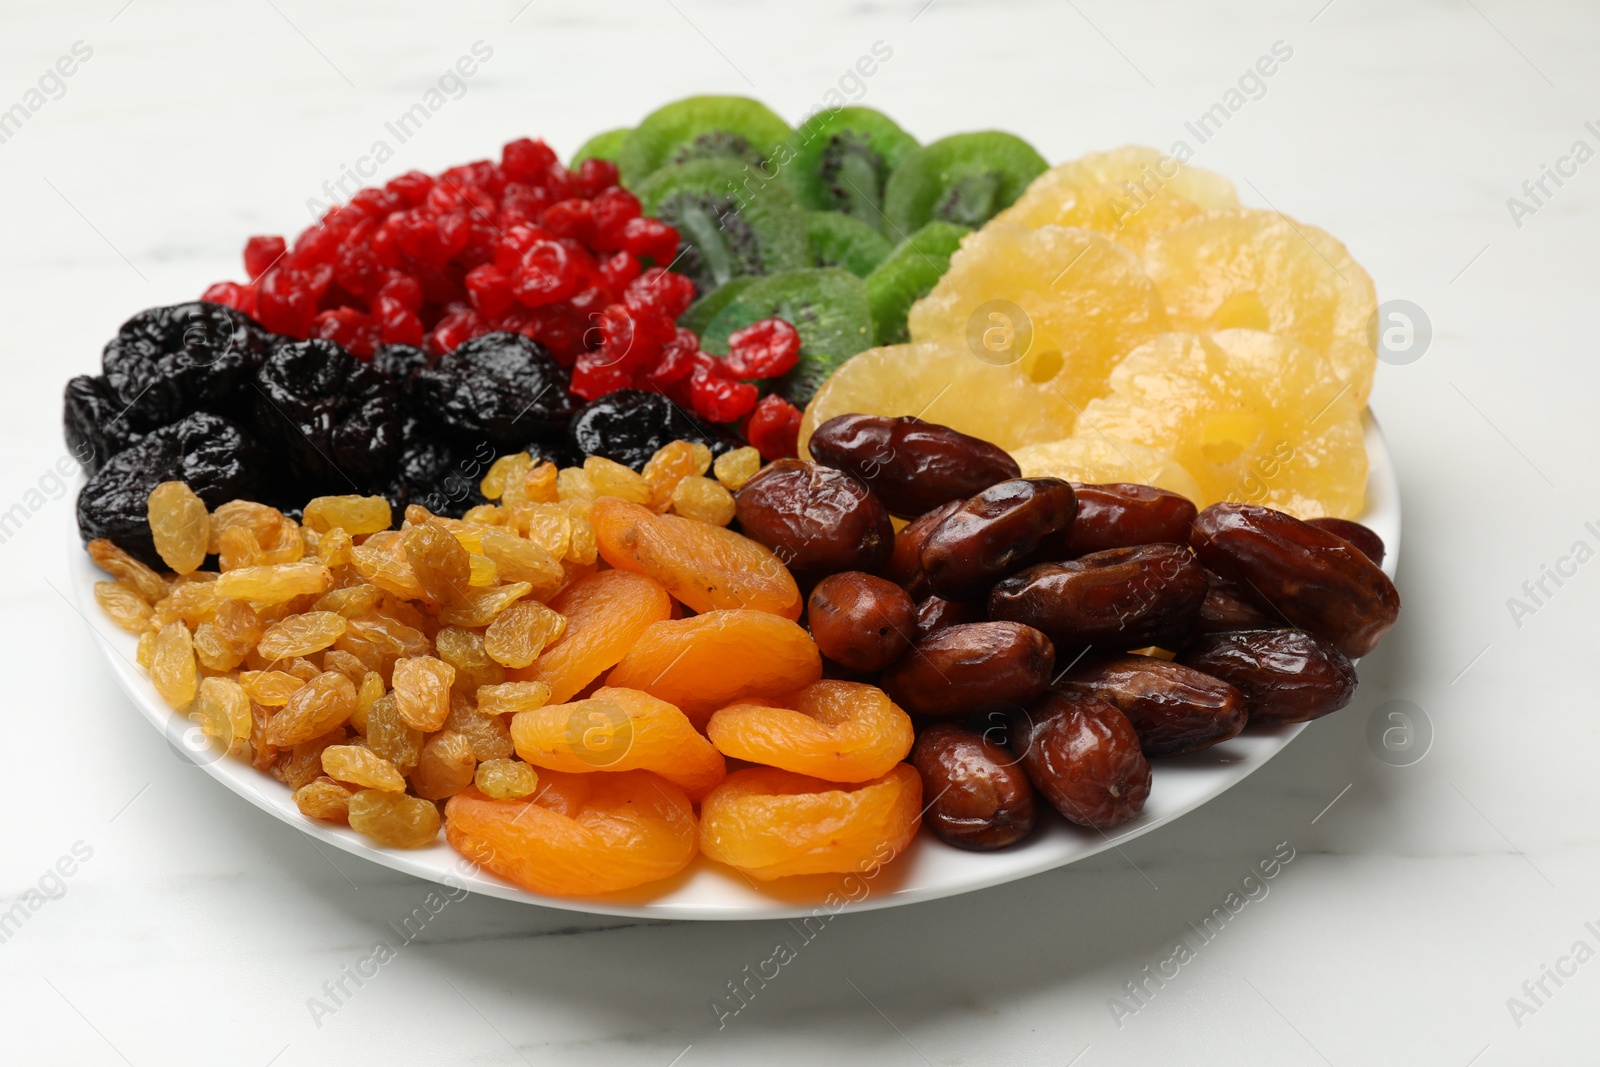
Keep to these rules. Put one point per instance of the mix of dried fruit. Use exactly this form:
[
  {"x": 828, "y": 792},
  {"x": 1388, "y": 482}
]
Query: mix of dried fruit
[{"x": 636, "y": 608}]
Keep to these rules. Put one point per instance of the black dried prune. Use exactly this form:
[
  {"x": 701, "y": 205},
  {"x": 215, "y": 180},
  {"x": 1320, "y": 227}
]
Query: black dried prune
[
  {"x": 94, "y": 423},
  {"x": 502, "y": 387},
  {"x": 167, "y": 362},
  {"x": 630, "y": 425},
  {"x": 441, "y": 474},
  {"x": 333, "y": 421},
  {"x": 400, "y": 363},
  {"x": 212, "y": 455}
]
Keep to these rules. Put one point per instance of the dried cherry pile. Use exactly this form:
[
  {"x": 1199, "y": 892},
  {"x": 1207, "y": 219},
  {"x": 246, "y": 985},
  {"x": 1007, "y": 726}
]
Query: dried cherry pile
[{"x": 1171, "y": 629}]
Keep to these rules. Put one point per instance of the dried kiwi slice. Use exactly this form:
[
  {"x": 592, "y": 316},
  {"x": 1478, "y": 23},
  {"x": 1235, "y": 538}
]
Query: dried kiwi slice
[
  {"x": 600, "y": 146},
  {"x": 702, "y": 127},
  {"x": 838, "y": 240},
  {"x": 730, "y": 222},
  {"x": 966, "y": 178},
  {"x": 907, "y": 274},
  {"x": 827, "y": 305},
  {"x": 702, "y": 311},
  {"x": 842, "y": 160}
]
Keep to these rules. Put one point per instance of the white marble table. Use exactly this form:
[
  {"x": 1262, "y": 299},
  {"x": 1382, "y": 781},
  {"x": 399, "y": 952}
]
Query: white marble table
[{"x": 1420, "y": 899}]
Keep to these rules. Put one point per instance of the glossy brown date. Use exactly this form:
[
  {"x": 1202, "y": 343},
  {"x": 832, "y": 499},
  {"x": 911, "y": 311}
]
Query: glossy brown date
[
  {"x": 1122, "y": 515},
  {"x": 936, "y": 613},
  {"x": 1363, "y": 537},
  {"x": 1116, "y": 600},
  {"x": 818, "y": 520},
  {"x": 972, "y": 668},
  {"x": 861, "y": 622},
  {"x": 1314, "y": 579},
  {"x": 982, "y": 799},
  {"x": 992, "y": 534},
  {"x": 1285, "y": 675},
  {"x": 913, "y": 466},
  {"x": 1083, "y": 755},
  {"x": 905, "y": 561},
  {"x": 1174, "y": 709},
  {"x": 1227, "y": 607}
]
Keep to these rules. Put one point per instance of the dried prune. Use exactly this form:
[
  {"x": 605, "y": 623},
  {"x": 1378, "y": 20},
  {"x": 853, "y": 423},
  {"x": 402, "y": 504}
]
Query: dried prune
[
  {"x": 400, "y": 363},
  {"x": 441, "y": 473},
  {"x": 994, "y": 533},
  {"x": 1285, "y": 675},
  {"x": 212, "y": 455},
  {"x": 1363, "y": 537},
  {"x": 1174, "y": 709},
  {"x": 1119, "y": 599},
  {"x": 94, "y": 422},
  {"x": 860, "y": 622},
  {"x": 330, "y": 418},
  {"x": 913, "y": 466},
  {"x": 817, "y": 519},
  {"x": 631, "y": 425},
  {"x": 167, "y": 362},
  {"x": 1124, "y": 515},
  {"x": 1227, "y": 607},
  {"x": 502, "y": 387},
  {"x": 981, "y": 798},
  {"x": 970, "y": 669},
  {"x": 1084, "y": 756},
  {"x": 1317, "y": 580}
]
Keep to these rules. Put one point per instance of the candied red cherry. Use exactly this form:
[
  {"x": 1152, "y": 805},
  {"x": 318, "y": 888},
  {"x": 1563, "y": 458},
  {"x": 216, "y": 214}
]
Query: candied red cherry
[
  {"x": 232, "y": 294},
  {"x": 454, "y": 330},
  {"x": 650, "y": 238},
  {"x": 397, "y": 324},
  {"x": 611, "y": 212},
  {"x": 260, "y": 253},
  {"x": 774, "y": 428},
  {"x": 282, "y": 305},
  {"x": 316, "y": 245},
  {"x": 490, "y": 290},
  {"x": 618, "y": 269},
  {"x": 659, "y": 291},
  {"x": 455, "y": 230},
  {"x": 765, "y": 349},
  {"x": 527, "y": 160},
  {"x": 720, "y": 399},
  {"x": 569, "y": 218},
  {"x": 595, "y": 176},
  {"x": 593, "y": 378},
  {"x": 412, "y": 187},
  {"x": 377, "y": 203},
  {"x": 403, "y": 289},
  {"x": 348, "y": 328},
  {"x": 549, "y": 272}
]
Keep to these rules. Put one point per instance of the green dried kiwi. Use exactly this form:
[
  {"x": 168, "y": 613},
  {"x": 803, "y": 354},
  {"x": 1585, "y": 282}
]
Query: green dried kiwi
[
  {"x": 826, "y": 305},
  {"x": 702, "y": 311},
  {"x": 702, "y": 127},
  {"x": 730, "y": 221},
  {"x": 838, "y": 240},
  {"x": 907, "y": 274},
  {"x": 842, "y": 159},
  {"x": 600, "y": 146},
  {"x": 966, "y": 178}
]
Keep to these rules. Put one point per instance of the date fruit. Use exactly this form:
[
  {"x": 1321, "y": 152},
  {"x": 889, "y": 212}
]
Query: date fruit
[
  {"x": 1174, "y": 709},
  {"x": 905, "y": 562},
  {"x": 1123, "y": 515},
  {"x": 981, "y": 799},
  {"x": 861, "y": 622},
  {"x": 817, "y": 519},
  {"x": 913, "y": 466},
  {"x": 1083, "y": 755},
  {"x": 1285, "y": 675},
  {"x": 972, "y": 668},
  {"x": 1315, "y": 579},
  {"x": 1370, "y": 544},
  {"x": 1226, "y": 607},
  {"x": 994, "y": 533},
  {"x": 936, "y": 613},
  {"x": 1119, "y": 599}
]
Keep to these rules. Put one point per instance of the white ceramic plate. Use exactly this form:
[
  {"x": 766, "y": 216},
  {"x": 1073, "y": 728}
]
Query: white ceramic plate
[{"x": 929, "y": 870}]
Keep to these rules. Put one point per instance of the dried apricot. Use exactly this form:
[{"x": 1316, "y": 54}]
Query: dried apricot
[
  {"x": 619, "y": 730},
  {"x": 606, "y": 612},
  {"x": 581, "y": 834},
  {"x": 771, "y": 823},
  {"x": 703, "y": 662},
  {"x": 705, "y": 566},
  {"x": 836, "y": 731}
]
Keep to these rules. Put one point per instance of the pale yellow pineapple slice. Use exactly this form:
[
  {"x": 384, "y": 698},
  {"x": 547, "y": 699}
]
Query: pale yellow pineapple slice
[
  {"x": 1252, "y": 416},
  {"x": 946, "y": 384},
  {"x": 1095, "y": 459},
  {"x": 1084, "y": 303},
  {"x": 1260, "y": 270},
  {"x": 1150, "y": 169}
]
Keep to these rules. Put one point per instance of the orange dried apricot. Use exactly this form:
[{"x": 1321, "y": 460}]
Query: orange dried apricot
[
  {"x": 705, "y": 661},
  {"x": 705, "y": 566},
  {"x": 619, "y": 730},
  {"x": 606, "y": 612},
  {"x": 771, "y": 823},
  {"x": 581, "y": 834},
  {"x": 837, "y": 731}
]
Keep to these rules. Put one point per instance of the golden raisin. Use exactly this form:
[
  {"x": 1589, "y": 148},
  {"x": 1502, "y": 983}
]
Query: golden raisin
[
  {"x": 611, "y": 478},
  {"x": 117, "y": 563},
  {"x": 145, "y": 652},
  {"x": 301, "y": 635},
  {"x": 179, "y": 525},
  {"x": 735, "y": 468},
  {"x": 124, "y": 604},
  {"x": 505, "y": 779},
  {"x": 488, "y": 735},
  {"x": 422, "y": 691},
  {"x": 440, "y": 563},
  {"x": 323, "y": 799},
  {"x": 503, "y": 472},
  {"x": 335, "y": 547},
  {"x": 270, "y": 689},
  {"x": 274, "y": 583},
  {"x": 574, "y": 483},
  {"x": 315, "y": 708},
  {"x": 703, "y": 500},
  {"x": 172, "y": 665},
  {"x": 446, "y": 767},
  {"x": 362, "y": 767},
  {"x": 480, "y": 606},
  {"x": 520, "y": 560},
  {"x": 465, "y": 651},
  {"x": 223, "y": 712},
  {"x": 238, "y": 548},
  {"x": 672, "y": 463},
  {"x": 352, "y": 601},
  {"x": 356, "y": 515},
  {"x": 513, "y": 697},
  {"x": 520, "y": 633},
  {"x": 258, "y": 520},
  {"x": 394, "y": 819},
  {"x": 389, "y": 736}
]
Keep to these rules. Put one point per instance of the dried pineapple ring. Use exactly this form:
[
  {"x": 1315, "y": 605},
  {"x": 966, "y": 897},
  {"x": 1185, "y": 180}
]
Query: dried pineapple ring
[
  {"x": 579, "y": 835},
  {"x": 771, "y": 823},
  {"x": 1093, "y": 458},
  {"x": 619, "y": 730},
  {"x": 1254, "y": 417},
  {"x": 1149, "y": 168},
  {"x": 703, "y": 662},
  {"x": 1086, "y": 300},
  {"x": 1260, "y": 270},
  {"x": 836, "y": 731},
  {"x": 943, "y": 383}
]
